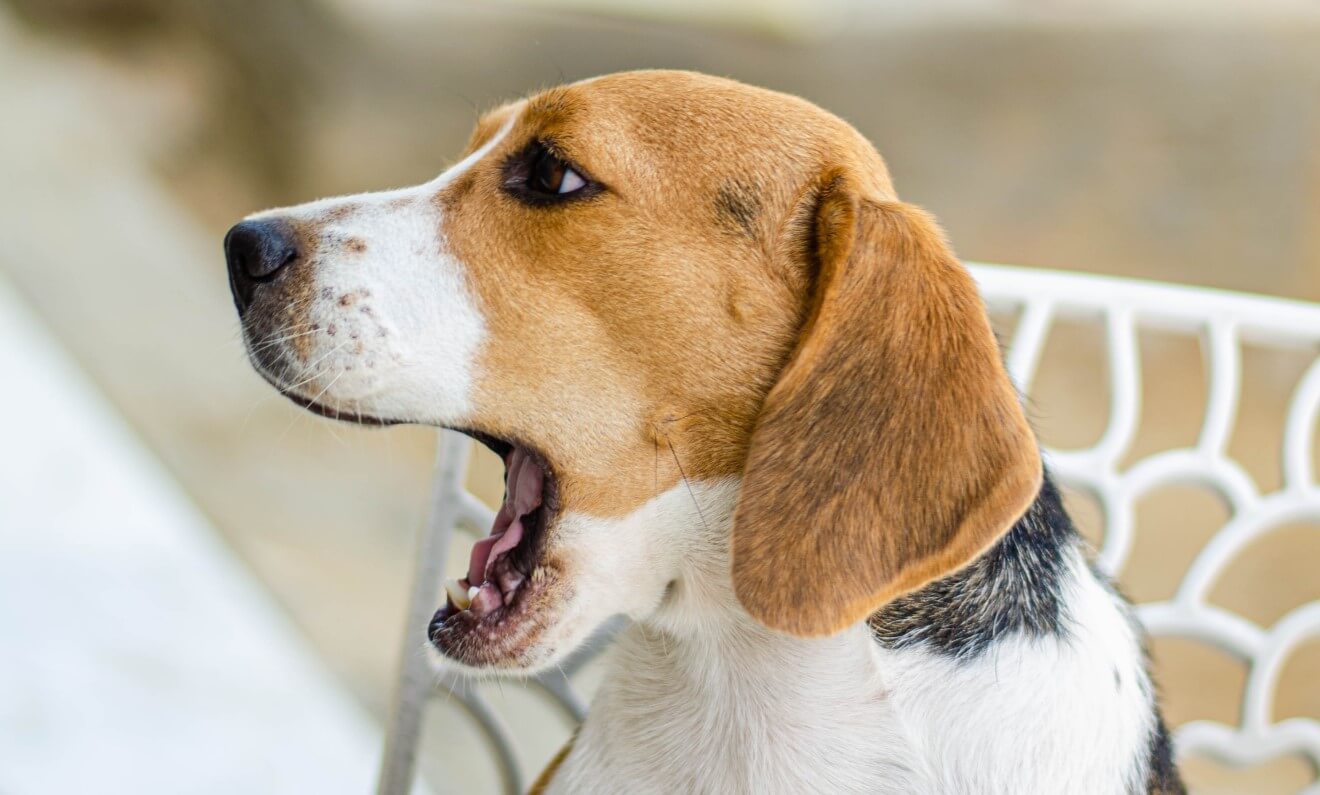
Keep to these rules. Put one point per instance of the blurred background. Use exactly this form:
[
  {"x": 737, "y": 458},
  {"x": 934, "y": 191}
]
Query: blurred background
[{"x": 1171, "y": 140}]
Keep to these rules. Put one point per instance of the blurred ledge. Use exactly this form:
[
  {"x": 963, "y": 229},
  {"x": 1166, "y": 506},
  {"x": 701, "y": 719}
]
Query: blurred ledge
[
  {"x": 820, "y": 19},
  {"x": 787, "y": 19},
  {"x": 136, "y": 644}
]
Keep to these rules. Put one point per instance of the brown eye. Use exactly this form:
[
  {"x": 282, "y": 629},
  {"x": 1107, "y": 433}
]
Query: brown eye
[
  {"x": 553, "y": 176},
  {"x": 539, "y": 177}
]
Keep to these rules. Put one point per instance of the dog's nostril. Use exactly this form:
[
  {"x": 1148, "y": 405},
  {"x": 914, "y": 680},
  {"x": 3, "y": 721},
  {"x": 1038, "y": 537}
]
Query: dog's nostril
[
  {"x": 260, "y": 248},
  {"x": 255, "y": 251}
]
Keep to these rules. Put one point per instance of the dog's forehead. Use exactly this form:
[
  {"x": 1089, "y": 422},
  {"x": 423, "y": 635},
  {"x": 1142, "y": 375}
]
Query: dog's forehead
[
  {"x": 626, "y": 121},
  {"x": 669, "y": 111}
]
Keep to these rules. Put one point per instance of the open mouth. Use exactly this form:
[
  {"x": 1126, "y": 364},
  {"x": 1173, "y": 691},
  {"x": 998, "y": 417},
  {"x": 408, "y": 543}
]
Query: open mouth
[{"x": 504, "y": 568}]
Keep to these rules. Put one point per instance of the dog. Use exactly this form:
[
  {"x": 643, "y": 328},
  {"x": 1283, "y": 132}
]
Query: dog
[{"x": 746, "y": 397}]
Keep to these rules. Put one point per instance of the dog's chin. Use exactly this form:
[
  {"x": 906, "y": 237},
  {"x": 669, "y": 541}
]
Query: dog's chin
[{"x": 515, "y": 638}]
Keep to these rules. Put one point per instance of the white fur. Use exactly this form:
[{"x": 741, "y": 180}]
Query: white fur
[
  {"x": 623, "y": 566},
  {"x": 1033, "y": 715},
  {"x": 405, "y": 345},
  {"x": 701, "y": 698}
]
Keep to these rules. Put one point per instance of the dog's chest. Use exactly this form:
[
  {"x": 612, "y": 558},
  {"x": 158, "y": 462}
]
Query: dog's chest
[{"x": 681, "y": 721}]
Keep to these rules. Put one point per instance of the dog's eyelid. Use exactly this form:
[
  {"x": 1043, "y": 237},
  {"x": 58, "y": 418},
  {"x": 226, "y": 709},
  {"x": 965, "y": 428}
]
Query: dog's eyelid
[
  {"x": 540, "y": 174},
  {"x": 551, "y": 147}
]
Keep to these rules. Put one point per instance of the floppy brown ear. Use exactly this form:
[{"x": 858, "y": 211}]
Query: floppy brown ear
[{"x": 893, "y": 449}]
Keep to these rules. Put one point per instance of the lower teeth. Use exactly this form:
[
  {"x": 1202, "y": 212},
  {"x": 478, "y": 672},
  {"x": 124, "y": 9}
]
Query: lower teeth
[{"x": 462, "y": 598}]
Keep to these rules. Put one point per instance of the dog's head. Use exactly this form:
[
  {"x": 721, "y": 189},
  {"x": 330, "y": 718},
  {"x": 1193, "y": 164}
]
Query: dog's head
[{"x": 666, "y": 300}]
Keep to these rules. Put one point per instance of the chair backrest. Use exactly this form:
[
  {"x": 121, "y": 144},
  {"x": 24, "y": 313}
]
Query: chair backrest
[{"x": 1224, "y": 322}]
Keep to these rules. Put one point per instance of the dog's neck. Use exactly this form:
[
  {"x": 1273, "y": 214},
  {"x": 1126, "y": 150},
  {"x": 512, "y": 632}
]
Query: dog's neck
[
  {"x": 1014, "y": 587},
  {"x": 701, "y": 692},
  {"x": 701, "y": 613},
  {"x": 700, "y": 697},
  {"x": 701, "y": 619}
]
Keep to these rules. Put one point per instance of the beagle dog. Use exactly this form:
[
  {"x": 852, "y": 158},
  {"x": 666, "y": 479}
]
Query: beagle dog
[{"x": 749, "y": 399}]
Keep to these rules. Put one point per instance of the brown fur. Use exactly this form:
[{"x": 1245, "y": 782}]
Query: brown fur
[
  {"x": 737, "y": 207},
  {"x": 893, "y": 449},
  {"x": 668, "y": 330}
]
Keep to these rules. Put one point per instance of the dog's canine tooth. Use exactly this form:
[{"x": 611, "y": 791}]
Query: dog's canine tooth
[{"x": 461, "y": 598}]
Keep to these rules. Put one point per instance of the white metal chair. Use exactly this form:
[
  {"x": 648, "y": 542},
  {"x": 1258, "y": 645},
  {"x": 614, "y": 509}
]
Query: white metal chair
[{"x": 1224, "y": 322}]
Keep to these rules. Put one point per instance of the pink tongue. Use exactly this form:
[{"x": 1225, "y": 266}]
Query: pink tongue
[
  {"x": 480, "y": 554},
  {"x": 508, "y": 539},
  {"x": 522, "y": 496}
]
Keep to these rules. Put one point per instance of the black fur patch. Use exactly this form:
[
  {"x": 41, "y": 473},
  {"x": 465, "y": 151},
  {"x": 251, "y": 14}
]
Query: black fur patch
[
  {"x": 738, "y": 206},
  {"x": 1164, "y": 778},
  {"x": 1015, "y": 587}
]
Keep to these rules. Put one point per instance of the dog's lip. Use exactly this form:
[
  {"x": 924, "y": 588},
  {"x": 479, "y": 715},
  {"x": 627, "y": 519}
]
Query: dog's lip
[
  {"x": 335, "y": 414},
  {"x": 508, "y": 614},
  {"x": 329, "y": 412},
  {"x": 498, "y": 640}
]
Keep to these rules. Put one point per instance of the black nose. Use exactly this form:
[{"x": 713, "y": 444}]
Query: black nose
[{"x": 255, "y": 251}]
